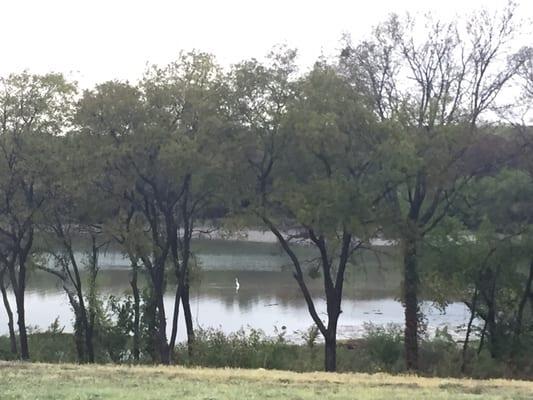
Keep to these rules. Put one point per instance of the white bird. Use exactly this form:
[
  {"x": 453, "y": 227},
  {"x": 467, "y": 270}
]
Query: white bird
[{"x": 237, "y": 285}]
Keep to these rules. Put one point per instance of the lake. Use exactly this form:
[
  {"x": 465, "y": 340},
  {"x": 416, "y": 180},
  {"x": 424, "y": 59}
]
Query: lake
[{"x": 268, "y": 297}]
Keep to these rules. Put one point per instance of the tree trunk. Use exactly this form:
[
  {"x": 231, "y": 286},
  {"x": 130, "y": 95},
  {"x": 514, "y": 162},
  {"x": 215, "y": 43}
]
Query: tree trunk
[
  {"x": 491, "y": 330},
  {"x": 491, "y": 324},
  {"x": 20, "y": 293},
  {"x": 330, "y": 359},
  {"x": 334, "y": 311},
  {"x": 185, "y": 300},
  {"x": 482, "y": 338},
  {"x": 162, "y": 343},
  {"x": 175, "y": 317},
  {"x": 92, "y": 300},
  {"x": 18, "y": 284},
  {"x": 21, "y": 322},
  {"x": 164, "y": 349},
  {"x": 469, "y": 329},
  {"x": 10, "y": 320},
  {"x": 78, "y": 325},
  {"x": 150, "y": 318},
  {"x": 136, "y": 313},
  {"x": 520, "y": 313},
  {"x": 85, "y": 335},
  {"x": 410, "y": 287},
  {"x": 78, "y": 337}
]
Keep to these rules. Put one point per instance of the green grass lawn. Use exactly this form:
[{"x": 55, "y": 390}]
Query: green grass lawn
[{"x": 68, "y": 381}]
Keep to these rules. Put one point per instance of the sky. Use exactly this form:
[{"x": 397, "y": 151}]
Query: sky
[{"x": 92, "y": 41}]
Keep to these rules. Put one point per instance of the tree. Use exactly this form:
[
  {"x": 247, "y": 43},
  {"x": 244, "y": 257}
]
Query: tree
[
  {"x": 482, "y": 255},
  {"x": 309, "y": 148},
  {"x": 107, "y": 116},
  {"x": 75, "y": 209},
  {"x": 185, "y": 104},
  {"x": 163, "y": 143},
  {"x": 434, "y": 88},
  {"x": 114, "y": 116},
  {"x": 33, "y": 108}
]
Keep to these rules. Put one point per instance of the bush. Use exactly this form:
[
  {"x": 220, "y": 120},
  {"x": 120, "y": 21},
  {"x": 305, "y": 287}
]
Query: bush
[
  {"x": 440, "y": 356},
  {"x": 242, "y": 349},
  {"x": 384, "y": 346},
  {"x": 379, "y": 350}
]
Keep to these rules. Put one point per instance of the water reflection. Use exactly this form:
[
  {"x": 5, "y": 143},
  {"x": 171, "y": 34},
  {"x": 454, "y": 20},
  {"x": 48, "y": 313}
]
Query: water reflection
[{"x": 268, "y": 296}]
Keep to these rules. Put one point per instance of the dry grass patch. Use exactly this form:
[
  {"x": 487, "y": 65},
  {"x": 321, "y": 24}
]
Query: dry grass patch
[{"x": 66, "y": 381}]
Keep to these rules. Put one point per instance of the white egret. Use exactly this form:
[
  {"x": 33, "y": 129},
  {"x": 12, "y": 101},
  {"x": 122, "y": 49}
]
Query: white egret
[{"x": 237, "y": 285}]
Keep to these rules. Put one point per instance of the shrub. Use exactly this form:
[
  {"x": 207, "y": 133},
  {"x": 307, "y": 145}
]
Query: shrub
[
  {"x": 242, "y": 349},
  {"x": 384, "y": 345}
]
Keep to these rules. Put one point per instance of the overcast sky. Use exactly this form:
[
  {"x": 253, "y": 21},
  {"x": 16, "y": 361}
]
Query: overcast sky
[{"x": 97, "y": 40}]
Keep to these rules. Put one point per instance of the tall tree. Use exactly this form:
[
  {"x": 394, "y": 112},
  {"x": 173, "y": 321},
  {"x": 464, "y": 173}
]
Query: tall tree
[
  {"x": 33, "y": 108},
  {"x": 482, "y": 255},
  {"x": 434, "y": 88},
  {"x": 163, "y": 146},
  {"x": 309, "y": 149},
  {"x": 107, "y": 117},
  {"x": 185, "y": 103},
  {"x": 75, "y": 212}
]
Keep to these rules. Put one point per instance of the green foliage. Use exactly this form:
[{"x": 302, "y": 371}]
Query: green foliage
[
  {"x": 384, "y": 346},
  {"x": 115, "y": 330},
  {"x": 310, "y": 336},
  {"x": 242, "y": 349},
  {"x": 379, "y": 350}
]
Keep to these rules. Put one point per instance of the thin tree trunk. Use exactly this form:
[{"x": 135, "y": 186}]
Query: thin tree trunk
[
  {"x": 491, "y": 325},
  {"x": 482, "y": 338},
  {"x": 85, "y": 336},
  {"x": 155, "y": 309},
  {"x": 23, "y": 252},
  {"x": 10, "y": 320},
  {"x": 18, "y": 284},
  {"x": 150, "y": 316},
  {"x": 175, "y": 317},
  {"x": 85, "y": 333},
  {"x": 21, "y": 322},
  {"x": 185, "y": 300},
  {"x": 78, "y": 323},
  {"x": 187, "y": 216},
  {"x": 469, "y": 329},
  {"x": 92, "y": 300},
  {"x": 298, "y": 275},
  {"x": 163, "y": 347},
  {"x": 136, "y": 312},
  {"x": 520, "y": 312},
  {"x": 78, "y": 336},
  {"x": 332, "y": 288},
  {"x": 491, "y": 329},
  {"x": 410, "y": 287}
]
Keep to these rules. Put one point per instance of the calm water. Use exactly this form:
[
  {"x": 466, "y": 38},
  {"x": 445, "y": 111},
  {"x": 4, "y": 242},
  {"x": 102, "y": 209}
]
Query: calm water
[{"x": 268, "y": 297}]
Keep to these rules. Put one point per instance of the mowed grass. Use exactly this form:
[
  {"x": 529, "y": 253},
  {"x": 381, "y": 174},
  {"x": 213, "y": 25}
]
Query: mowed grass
[{"x": 68, "y": 381}]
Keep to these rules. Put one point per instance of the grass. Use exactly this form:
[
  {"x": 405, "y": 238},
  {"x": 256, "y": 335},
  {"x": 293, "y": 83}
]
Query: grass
[{"x": 83, "y": 382}]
